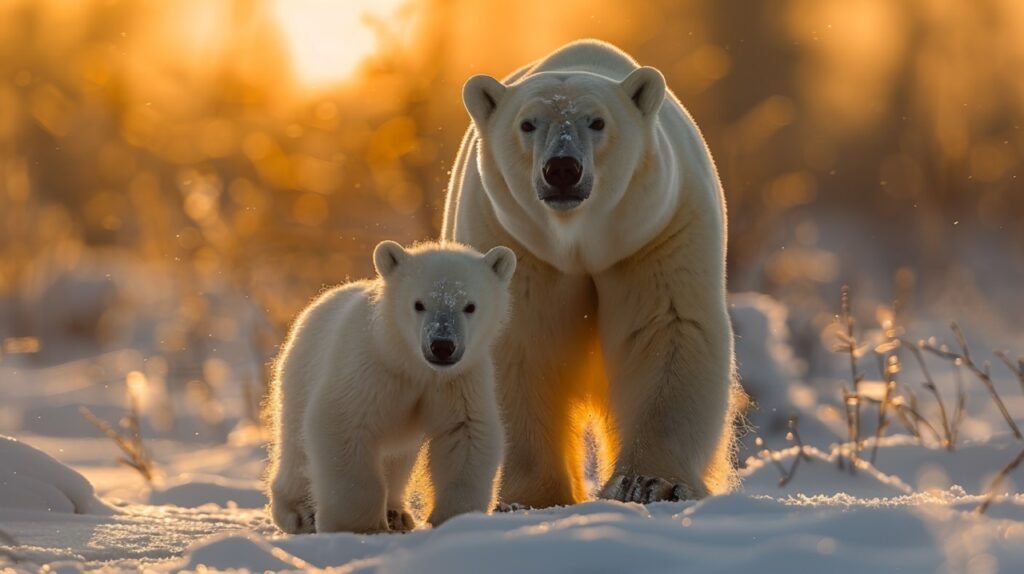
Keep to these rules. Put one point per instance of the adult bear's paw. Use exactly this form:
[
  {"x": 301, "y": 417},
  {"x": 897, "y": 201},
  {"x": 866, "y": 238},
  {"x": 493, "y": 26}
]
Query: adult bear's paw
[
  {"x": 294, "y": 519},
  {"x": 645, "y": 489},
  {"x": 400, "y": 521},
  {"x": 511, "y": 507}
]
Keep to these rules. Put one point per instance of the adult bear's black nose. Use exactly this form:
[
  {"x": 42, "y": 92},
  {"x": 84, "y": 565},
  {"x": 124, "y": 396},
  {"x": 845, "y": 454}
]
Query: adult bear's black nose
[
  {"x": 443, "y": 350},
  {"x": 563, "y": 172}
]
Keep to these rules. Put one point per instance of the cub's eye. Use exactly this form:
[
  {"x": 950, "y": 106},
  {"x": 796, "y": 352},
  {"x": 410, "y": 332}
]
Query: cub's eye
[
  {"x": 597, "y": 125},
  {"x": 527, "y": 126},
  {"x": 469, "y": 308},
  {"x": 419, "y": 306}
]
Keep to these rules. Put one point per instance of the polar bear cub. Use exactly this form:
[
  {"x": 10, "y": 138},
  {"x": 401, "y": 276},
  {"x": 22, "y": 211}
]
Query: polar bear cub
[{"x": 370, "y": 371}]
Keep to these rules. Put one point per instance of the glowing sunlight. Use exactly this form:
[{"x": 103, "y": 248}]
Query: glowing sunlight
[{"x": 327, "y": 39}]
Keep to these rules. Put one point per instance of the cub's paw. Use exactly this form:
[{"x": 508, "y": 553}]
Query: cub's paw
[
  {"x": 645, "y": 489},
  {"x": 400, "y": 521},
  {"x": 511, "y": 507}
]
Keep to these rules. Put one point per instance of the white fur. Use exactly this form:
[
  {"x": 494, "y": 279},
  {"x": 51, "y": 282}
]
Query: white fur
[
  {"x": 354, "y": 397},
  {"x": 620, "y": 302}
]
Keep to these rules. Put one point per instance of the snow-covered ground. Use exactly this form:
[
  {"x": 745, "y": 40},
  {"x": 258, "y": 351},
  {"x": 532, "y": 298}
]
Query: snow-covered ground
[{"x": 67, "y": 503}]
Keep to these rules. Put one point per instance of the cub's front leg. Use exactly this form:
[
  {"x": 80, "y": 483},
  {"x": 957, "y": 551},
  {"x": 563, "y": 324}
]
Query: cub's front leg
[
  {"x": 465, "y": 452},
  {"x": 345, "y": 474}
]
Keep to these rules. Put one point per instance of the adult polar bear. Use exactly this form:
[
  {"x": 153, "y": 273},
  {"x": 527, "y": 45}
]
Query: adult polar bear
[{"x": 603, "y": 186}]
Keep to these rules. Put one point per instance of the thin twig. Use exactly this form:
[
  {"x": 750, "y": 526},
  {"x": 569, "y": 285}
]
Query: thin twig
[
  {"x": 855, "y": 375},
  {"x": 889, "y": 369},
  {"x": 794, "y": 436},
  {"x": 910, "y": 422},
  {"x": 920, "y": 419},
  {"x": 786, "y": 475},
  {"x": 793, "y": 420},
  {"x": 792, "y": 472},
  {"x": 930, "y": 386},
  {"x": 982, "y": 373},
  {"x": 770, "y": 455},
  {"x": 998, "y": 480},
  {"x": 1017, "y": 370},
  {"x": 961, "y": 405},
  {"x": 132, "y": 445}
]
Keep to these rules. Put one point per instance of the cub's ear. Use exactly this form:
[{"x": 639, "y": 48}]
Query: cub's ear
[
  {"x": 481, "y": 96},
  {"x": 502, "y": 261},
  {"x": 646, "y": 87},
  {"x": 387, "y": 256}
]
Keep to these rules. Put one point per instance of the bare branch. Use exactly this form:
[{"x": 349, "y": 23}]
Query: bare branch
[
  {"x": 920, "y": 419},
  {"x": 786, "y": 475},
  {"x": 131, "y": 444},
  {"x": 981, "y": 373},
  {"x": 998, "y": 480},
  {"x": 1017, "y": 369}
]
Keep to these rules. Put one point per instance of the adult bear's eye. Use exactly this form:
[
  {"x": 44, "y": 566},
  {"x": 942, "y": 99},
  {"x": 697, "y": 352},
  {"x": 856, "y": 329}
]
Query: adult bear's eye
[
  {"x": 419, "y": 306},
  {"x": 597, "y": 125},
  {"x": 469, "y": 308},
  {"x": 527, "y": 126}
]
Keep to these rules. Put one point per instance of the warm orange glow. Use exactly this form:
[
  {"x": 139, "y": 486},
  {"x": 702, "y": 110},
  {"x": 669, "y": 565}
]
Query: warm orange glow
[{"x": 328, "y": 39}]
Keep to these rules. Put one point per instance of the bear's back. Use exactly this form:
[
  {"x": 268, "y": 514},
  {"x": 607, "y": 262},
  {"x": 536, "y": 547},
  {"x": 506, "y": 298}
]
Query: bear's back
[
  {"x": 592, "y": 56},
  {"x": 335, "y": 323}
]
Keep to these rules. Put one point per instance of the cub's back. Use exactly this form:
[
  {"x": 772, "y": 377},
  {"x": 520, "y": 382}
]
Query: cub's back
[{"x": 331, "y": 328}]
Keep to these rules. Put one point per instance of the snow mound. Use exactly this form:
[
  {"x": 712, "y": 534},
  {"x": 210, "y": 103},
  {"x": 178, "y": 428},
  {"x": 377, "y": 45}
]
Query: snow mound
[
  {"x": 237, "y": 551},
  {"x": 734, "y": 533},
  {"x": 971, "y": 466},
  {"x": 818, "y": 474},
  {"x": 33, "y": 480},
  {"x": 768, "y": 369},
  {"x": 193, "y": 491}
]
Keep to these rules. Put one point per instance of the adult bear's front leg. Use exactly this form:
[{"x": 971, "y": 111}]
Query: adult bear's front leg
[
  {"x": 668, "y": 349},
  {"x": 542, "y": 360}
]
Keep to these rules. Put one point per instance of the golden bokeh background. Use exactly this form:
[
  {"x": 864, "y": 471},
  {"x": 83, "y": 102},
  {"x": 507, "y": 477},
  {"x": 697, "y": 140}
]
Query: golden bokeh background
[{"x": 187, "y": 174}]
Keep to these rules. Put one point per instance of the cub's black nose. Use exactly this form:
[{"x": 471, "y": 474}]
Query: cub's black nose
[
  {"x": 563, "y": 172},
  {"x": 443, "y": 350}
]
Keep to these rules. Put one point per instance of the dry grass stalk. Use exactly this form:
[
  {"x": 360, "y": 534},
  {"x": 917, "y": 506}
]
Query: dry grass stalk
[
  {"x": 793, "y": 436},
  {"x": 889, "y": 366},
  {"x": 130, "y": 443},
  {"x": 848, "y": 344},
  {"x": 998, "y": 480},
  {"x": 853, "y": 400},
  {"x": 1017, "y": 370},
  {"x": 903, "y": 412},
  {"x": 961, "y": 404},
  {"x": 915, "y": 415},
  {"x": 950, "y": 424},
  {"x": 929, "y": 384},
  {"x": 850, "y": 448},
  {"x": 982, "y": 373}
]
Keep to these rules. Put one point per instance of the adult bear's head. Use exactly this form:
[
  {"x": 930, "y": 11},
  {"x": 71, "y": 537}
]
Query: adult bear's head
[{"x": 568, "y": 140}]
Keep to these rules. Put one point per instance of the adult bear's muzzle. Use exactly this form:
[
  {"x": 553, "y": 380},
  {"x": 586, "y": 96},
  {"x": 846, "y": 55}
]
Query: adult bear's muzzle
[{"x": 563, "y": 185}]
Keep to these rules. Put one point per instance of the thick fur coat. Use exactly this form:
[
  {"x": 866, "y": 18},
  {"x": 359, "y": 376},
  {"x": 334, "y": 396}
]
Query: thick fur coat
[{"x": 596, "y": 176}]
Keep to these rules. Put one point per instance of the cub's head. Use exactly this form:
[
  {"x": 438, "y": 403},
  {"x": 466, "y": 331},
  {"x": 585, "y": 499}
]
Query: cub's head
[
  {"x": 565, "y": 140},
  {"x": 445, "y": 303}
]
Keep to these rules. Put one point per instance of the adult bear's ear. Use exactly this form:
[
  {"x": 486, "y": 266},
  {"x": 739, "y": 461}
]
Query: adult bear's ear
[
  {"x": 387, "y": 256},
  {"x": 502, "y": 261},
  {"x": 481, "y": 95},
  {"x": 646, "y": 88}
]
